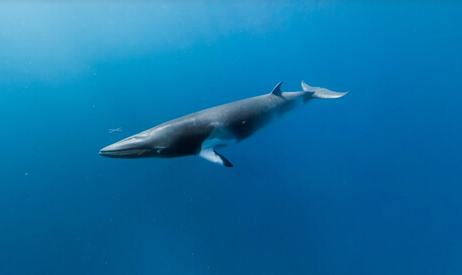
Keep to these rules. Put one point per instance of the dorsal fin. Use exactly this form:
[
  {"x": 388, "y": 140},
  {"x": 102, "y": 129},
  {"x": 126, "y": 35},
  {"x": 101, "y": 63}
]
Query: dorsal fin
[{"x": 277, "y": 89}]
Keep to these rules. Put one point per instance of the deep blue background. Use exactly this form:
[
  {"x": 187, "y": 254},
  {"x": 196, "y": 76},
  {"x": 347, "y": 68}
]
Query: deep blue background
[{"x": 367, "y": 184}]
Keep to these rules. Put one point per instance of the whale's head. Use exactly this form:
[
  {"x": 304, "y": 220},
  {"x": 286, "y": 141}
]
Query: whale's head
[{"x": 150, "y": 143}]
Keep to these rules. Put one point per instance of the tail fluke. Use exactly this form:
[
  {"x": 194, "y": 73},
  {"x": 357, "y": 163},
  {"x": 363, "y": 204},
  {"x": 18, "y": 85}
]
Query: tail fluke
[{"x": 321, "y": 92}]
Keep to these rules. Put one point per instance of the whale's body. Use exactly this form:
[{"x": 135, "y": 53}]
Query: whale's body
[{"x": 203, "y": 132}]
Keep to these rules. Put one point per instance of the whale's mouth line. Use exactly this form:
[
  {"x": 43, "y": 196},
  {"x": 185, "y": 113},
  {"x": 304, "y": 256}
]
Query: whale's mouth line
[{"x": 124, "y": 153}]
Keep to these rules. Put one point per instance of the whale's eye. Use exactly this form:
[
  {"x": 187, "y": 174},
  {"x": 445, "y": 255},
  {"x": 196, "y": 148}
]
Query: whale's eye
[{"x": 160, "y": 150}]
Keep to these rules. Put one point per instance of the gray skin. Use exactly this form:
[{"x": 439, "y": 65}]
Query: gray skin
[{"x": 203, "y": 132}]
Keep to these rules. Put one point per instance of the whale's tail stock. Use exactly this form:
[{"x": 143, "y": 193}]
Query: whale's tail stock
[{"x": 321, "y": 92}]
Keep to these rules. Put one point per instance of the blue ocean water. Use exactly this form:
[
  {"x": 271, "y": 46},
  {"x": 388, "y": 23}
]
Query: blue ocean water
[{"x": 365, "y": 184}]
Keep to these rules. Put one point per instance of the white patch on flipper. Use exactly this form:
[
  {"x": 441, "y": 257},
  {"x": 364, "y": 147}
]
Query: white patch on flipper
[
  {"x": 210, "y": 155},
  {"x": 214, "y": 157}
]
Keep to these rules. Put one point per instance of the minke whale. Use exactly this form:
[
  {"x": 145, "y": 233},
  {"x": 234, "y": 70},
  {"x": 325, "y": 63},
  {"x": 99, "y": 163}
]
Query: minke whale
[{"x": 204, "y": 132}]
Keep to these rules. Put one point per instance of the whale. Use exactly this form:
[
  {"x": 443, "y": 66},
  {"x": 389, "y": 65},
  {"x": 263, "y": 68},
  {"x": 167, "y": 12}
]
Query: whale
[{"x": 204, "y": 132}]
